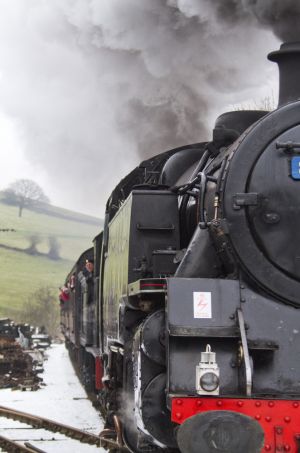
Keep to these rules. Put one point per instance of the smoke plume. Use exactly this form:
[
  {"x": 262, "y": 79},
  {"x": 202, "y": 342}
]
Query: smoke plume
[
  {"x": 283, "y": 17},
  {"x": 97, "y": 85}
]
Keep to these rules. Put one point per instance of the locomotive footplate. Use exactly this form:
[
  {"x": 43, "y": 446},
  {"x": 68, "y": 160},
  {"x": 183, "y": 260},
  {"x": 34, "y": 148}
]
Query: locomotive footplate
[
  {"x": 279, "y": 419},
  {"x": 146, "y": 294}
]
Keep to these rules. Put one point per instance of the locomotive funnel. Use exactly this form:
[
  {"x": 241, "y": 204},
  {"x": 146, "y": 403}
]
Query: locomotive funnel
[{"x": 288, "y": 59}]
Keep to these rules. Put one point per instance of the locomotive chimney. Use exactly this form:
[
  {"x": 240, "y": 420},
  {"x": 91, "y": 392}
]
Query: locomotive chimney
[{"x": 288, "y": 59}]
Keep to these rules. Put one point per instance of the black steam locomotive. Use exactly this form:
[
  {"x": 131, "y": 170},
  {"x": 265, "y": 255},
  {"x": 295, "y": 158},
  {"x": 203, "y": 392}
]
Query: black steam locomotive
[{"x": 188, "y": 331}]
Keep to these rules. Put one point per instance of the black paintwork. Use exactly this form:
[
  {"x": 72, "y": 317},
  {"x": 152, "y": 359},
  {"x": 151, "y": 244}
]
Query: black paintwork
[
  {"x": 220, "y": 217},
  {"x": 256, "y": 166}
]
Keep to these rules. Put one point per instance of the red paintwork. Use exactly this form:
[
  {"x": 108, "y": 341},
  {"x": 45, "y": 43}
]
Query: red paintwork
[
  {"x": 280, "y": 419},
  {"x": 98, "y": 373},
  {"x": 158, "y": 285}
]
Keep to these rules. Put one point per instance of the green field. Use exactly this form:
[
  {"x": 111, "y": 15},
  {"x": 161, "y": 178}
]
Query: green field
[{"x": 21, "y": 273}]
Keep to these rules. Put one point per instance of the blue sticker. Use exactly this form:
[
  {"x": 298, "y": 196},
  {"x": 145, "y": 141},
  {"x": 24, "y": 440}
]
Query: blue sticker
[{"x": 295, "y": 164}]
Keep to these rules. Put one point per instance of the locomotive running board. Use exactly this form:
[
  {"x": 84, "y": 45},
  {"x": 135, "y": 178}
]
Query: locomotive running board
[{"x": 149, "y": 285}]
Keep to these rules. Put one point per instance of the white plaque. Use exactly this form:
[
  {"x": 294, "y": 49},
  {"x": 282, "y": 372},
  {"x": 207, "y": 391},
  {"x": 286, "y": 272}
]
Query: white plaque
[{"x": 202, "y": 305}]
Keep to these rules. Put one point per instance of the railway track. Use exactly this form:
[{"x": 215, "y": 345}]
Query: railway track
[
  {"x": 110, "y": 439},
  {"x": 12, "y": 446}
]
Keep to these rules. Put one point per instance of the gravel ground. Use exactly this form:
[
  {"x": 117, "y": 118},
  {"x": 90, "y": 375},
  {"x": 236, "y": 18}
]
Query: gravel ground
[{"x": 62, "y": 399}]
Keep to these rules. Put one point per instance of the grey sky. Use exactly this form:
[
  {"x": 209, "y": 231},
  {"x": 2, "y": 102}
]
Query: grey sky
[{"x": 88, "y": 88}]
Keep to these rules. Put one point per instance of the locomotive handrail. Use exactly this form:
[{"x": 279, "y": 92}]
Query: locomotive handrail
[
  {"x": 169, "y": 227},
  {"x": 289, "y": 146},
  {"x": 246, "y": 355}
]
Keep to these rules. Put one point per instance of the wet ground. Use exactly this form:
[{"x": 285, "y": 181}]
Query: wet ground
[{"x": 62, "y": 399}]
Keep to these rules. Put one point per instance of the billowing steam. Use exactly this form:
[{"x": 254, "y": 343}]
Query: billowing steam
[
  {"x": 283, "y": 17},
  {"x": 98, "y": 85}
]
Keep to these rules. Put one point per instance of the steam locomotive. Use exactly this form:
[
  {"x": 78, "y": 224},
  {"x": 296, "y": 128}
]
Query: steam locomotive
[{"x": 188, "y": 332}]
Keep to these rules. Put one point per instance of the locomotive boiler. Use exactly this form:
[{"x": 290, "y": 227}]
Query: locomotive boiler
[{"x": 188, "y": 333}]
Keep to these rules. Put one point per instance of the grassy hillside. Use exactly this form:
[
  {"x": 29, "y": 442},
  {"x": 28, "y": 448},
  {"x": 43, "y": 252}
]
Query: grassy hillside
[{"x": 22, "y": 273}]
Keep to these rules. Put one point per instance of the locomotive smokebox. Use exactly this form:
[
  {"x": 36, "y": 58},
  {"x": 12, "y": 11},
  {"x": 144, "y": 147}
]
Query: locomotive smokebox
[{"x": 288, "y": 60}]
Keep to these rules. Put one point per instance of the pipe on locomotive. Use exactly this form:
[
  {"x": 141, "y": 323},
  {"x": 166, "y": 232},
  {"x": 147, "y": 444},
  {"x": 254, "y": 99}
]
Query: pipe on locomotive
[{"x": 288, "y": 60}]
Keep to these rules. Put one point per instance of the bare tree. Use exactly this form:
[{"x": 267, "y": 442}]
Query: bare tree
[
  {"x": 24, "y": 193},
  {"x": 42, "y": 309},
  {"x": 34, "y": 241},
  {"x": 268, "y": 103},
  {"x": 54, "y": 247}
]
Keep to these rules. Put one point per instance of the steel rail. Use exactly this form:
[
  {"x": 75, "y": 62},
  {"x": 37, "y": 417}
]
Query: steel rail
[
  {"x": 108, "y": 439},
  {"x": 9, "y": 445}
]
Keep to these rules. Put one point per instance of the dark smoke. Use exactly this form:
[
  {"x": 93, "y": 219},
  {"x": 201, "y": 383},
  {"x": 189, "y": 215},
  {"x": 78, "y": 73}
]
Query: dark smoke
[
  {"x": 97, "y": 85},
  {"x": 171, "y": 123},
  {"x": 280, "y": 16}
]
